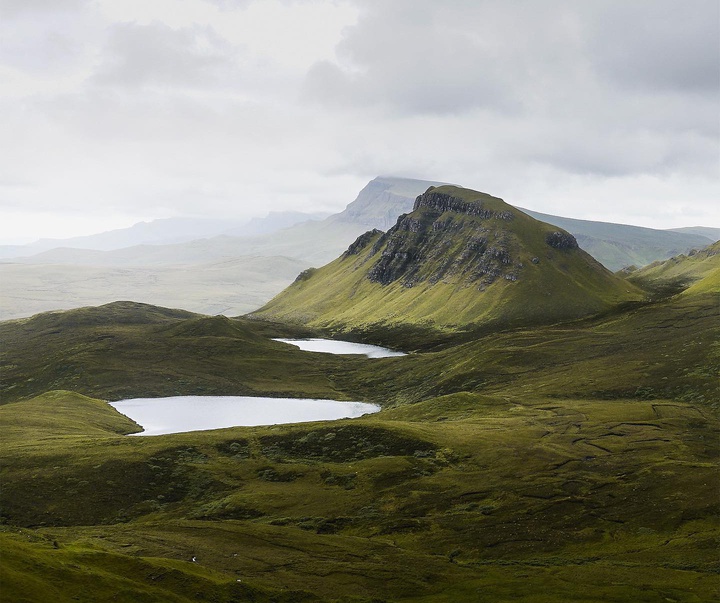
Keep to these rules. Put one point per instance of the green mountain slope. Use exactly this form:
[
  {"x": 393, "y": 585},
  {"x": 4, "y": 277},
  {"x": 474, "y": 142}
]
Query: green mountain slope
[
  {"x": 698, "y": 271},
  {"x": 712, "y": 234},
  {"x": 460, "y": 259},
  {"x": 616, "y": 246}
]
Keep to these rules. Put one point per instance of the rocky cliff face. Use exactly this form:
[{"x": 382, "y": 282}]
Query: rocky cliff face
[
  {"x": 446, "y": 238},
  {"x": 441, "y": 202}
]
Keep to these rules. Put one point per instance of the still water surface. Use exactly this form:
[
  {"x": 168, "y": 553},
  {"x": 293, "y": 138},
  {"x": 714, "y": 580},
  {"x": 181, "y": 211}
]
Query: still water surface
[
  {"x": 333, "y": 346},
  {"x": 181, "y": 414},
  {"x": 194, "y": 413}
]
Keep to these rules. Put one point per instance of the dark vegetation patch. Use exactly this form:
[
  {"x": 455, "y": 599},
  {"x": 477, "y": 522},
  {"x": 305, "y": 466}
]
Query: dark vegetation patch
[
  {"x": 236, "y": 448},
  {"x": 116, "y": 490},
  {"x": 663, "y": 288},
  {"x": 342, "y": 444},
  {"x": 271, "y": 474},
  {"x": 343, "y": 480}
]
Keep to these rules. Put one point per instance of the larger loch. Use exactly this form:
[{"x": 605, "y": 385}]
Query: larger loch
[{"x": 179, "y": 414}]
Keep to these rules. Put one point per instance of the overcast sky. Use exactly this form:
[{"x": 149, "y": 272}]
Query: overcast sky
[{"x": 115, "y": 111}]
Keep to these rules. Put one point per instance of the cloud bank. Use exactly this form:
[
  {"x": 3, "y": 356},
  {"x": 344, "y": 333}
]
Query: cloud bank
[{"x": 124, "y": 110}]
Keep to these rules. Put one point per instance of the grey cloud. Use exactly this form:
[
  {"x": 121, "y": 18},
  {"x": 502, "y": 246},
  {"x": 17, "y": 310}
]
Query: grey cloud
[
  {"x": 40, "y": 38},
  {"x": 425, "y": 56},
  {"x": 155, "y": 54},
  {"x": 598, "y": 87},
  {"x": 229, "y": 4},
  {"x": 413, "y": 59},
  {"x": 13, "y": 8},
  {"x": 658, "y": 45}
]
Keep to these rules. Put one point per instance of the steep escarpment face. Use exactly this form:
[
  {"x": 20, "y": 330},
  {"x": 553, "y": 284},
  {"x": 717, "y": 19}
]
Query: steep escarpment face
[
  {"x": 422, "y": 247},
  {"x": 450, "y": 239},
  {"x": 460, "y": 258}
]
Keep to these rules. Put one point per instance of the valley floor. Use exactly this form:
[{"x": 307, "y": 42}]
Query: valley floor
[{"x": 576, "y": 462}]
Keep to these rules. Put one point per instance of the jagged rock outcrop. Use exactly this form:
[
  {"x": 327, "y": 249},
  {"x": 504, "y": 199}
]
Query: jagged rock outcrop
[
  {"x": 420, "y": 247},
  {"x": 305, "y": 274},
  {"x": 561, "y": 240},
  {"x": 361, "y": 242},
  {"x": 442, "y": 202}
]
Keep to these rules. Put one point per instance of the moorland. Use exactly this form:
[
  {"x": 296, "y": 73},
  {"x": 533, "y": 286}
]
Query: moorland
[{"x": 521, "y": 455}]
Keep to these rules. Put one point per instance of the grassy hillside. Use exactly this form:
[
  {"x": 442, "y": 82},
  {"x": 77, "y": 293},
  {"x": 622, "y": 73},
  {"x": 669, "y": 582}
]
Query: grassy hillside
[
  {"x": 567, "y": 462},
  {"x": 126, "y": 349},
  {"x": 617, "y": 246},
  {"x": 458, "y": 264},
  {"x": 679, "y": 273}
]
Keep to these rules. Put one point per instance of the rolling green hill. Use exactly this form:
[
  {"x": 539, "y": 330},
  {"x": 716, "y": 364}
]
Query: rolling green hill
[
  {"x": 461, "y": 259},
  {"x": 574, "y": 461}
]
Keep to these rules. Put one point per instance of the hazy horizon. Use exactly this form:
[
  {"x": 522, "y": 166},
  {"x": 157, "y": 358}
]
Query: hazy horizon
[
  {"x": 122, "y": 111},
  {"x": 230, "y": 226}
]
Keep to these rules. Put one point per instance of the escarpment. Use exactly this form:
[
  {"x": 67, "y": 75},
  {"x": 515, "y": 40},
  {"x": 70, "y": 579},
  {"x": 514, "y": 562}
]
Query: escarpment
[
  {"x": 424, "y": 246},
  {"x": 441, "y": 202},
  {"x": 461, "y": 258}
]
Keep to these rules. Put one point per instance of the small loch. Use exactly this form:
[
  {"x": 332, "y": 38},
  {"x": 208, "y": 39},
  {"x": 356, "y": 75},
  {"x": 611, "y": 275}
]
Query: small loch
[
  {"x": 181, "y": 414},
  {"x": 333, "y": 346}
]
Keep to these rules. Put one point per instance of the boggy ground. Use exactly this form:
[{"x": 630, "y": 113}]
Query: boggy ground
[{"x": 576, "y": 462}]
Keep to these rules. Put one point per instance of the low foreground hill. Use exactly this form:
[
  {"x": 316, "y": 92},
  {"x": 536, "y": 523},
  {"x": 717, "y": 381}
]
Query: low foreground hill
[{"x": 460, "y": 260}]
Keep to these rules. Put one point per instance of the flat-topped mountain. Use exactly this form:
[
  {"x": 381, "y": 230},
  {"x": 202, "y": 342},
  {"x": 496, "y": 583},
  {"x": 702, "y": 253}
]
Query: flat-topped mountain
[
  {"x": 460, "y": 259},
  {"x": 381, "y": 201}
]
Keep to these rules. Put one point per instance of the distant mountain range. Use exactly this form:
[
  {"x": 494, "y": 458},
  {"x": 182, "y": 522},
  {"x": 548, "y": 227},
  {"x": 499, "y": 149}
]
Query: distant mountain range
[
  {"x": 164, "y": 231},
  {"x": 222, "y": 274},
  {"x": 213, "y": 266},
  {"x": 619, "y": 245}
]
